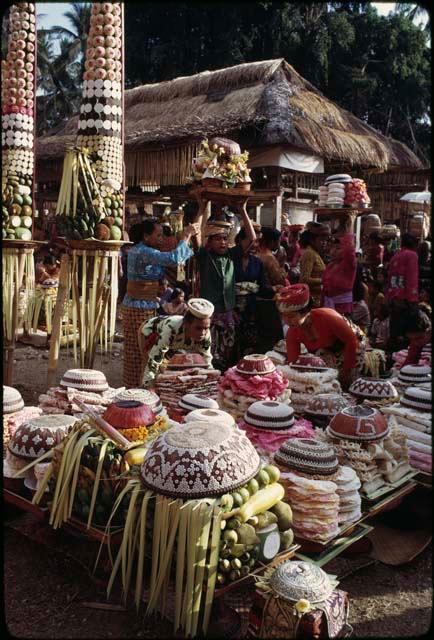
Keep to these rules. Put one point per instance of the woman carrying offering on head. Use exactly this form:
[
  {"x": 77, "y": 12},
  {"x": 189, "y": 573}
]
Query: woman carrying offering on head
[
  {"x": 322, "y": 331},
  {"x": 145, "y": 268},
  {"x": 162, "y": 336},
  {"x": 340, "y": 273}
]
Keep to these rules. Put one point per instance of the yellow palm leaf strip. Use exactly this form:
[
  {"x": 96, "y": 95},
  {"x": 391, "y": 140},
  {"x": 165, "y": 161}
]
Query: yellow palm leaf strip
[
  {"x": 193, "y": 537},
  {"x": 77, "y": 461},
  {"x": 74, "y": 185},
  {"x": 83, "y": 169},
  {"x": 116, "y": 565},
  {"x": 101, "y": 457},
  {"x": 70, "y": 441},
  {"x": 180, "y": 562},
  {"x": 126, "y": 546},
  {"x": 175, "y": 506},
  {"x": 127, "y": 489},
  {"x": 42, "y": 485},
  {"x": 212, "y": 566},
  {"x": 142, "y": 544},
  {"x": 133, "y": 542},
  {"x": 201, "y": 552},
  {"x": 155, "y": 542},
  {"x": 93, "y": 296},
  {"x": 172, "y": 522},
  {"x": 162, "y": 506}
]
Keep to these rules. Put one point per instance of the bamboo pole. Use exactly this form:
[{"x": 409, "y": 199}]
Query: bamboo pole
[
  {"x": 103, "y": 305},
  {"x": 57, "y": 320},
  {"x": 11, "y": 347}
]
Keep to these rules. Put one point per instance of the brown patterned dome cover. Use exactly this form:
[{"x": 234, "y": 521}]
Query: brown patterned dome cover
[
  {"x": 325, "y": 404},
  {"x": 85, "y": 380},
  {"x": 358, "y": 423},
  {"x": 37, "y": 436},
  {"x": 373, "y": 389},
  {"x": 199, "y": 459},
  {"x": 12, "y": 400},
  {"x": 256, "y": 364},
  {"x": 307, "y": 456},
  {"x": 295, "y": 579}
]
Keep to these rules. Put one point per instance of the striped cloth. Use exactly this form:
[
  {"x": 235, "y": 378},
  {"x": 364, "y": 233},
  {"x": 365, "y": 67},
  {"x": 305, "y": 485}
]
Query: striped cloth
[{"x": 132, "y": 319}]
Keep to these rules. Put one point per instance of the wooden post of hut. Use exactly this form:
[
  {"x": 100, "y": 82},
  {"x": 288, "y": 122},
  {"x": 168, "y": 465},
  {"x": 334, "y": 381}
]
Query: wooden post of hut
[{"x": 18, "y": 285}]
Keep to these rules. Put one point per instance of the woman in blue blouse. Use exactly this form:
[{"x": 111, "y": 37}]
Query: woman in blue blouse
[{"x": 145, "y": 267}]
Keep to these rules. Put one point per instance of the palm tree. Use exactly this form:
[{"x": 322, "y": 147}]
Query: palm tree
[
  {"x": 60, "y": 74},
  {"x": 75, "y": 38},
  {"x": 413, "y": 11}
]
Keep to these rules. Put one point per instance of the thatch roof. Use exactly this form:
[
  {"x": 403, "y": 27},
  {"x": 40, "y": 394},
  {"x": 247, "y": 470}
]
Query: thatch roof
[{"x": 269, "y": 96}]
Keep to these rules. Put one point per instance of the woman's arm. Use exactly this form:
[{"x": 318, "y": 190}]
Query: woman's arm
[
  {"x": 292, "y": 344},
  {"x": 167, "y": 258},
  {"x": 342, "y": 331}
]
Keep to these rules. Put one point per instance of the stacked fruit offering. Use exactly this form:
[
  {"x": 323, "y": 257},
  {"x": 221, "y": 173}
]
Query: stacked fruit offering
[
  {"x": 18, "y": 104},
  {"x": 256, "y": 525},
  {"x": 100, "y": 122}
]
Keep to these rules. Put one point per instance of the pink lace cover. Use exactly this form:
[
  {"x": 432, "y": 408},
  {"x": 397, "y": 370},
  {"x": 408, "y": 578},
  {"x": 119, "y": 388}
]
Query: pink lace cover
[
  {"x": 270, "y": 441},
  {"x": 399, "y": 358},
  {"x": 263, "y": 387}
]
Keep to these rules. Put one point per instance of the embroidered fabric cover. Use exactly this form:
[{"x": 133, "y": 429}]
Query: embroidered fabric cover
[
  {"x": 295, "y": 579},
  {"x": 199, "y": 459}
]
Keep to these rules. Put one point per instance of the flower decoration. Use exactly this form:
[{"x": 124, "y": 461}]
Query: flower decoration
[
  {"x": 302, "y": 606},
  {"x": 214, "y": 162}
]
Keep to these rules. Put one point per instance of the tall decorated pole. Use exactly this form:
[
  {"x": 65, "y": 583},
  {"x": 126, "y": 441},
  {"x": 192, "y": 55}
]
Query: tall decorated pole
[
  {"x": 18, "y": 72},
  {"x": 91, "y": 198}
]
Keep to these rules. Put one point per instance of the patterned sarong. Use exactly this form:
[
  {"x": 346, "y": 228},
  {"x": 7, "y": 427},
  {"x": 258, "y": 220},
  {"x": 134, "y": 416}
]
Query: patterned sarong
[{"x": 133, "y": 359}]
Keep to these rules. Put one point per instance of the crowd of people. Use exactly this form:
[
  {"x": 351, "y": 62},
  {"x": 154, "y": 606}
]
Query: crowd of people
[
  {"x": 309, "y": 285},
  {"x": 260, "y": 285}
]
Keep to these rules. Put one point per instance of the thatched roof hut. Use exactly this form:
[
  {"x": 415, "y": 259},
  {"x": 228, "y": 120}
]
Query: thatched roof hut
[{"x": 259, "y": 104}]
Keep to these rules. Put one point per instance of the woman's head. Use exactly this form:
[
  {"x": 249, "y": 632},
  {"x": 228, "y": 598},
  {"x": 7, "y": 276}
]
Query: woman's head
[
  {"x": 374, "y": 239},
  {"x": 417, "y": 323},
  {"x": 152, "y": 233},
  {"x": 177, "y": 296},
  {"x": 242, "y": 241},
  {"x": 270, "y": 238},
  {"x": 196, "y": 328},
  {"x": 316, "y": 236},
  {"x": 296, "y": 318}
]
